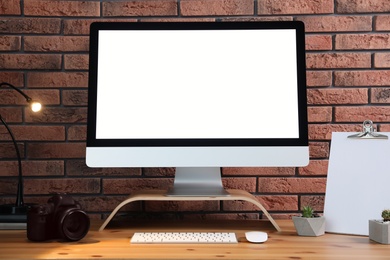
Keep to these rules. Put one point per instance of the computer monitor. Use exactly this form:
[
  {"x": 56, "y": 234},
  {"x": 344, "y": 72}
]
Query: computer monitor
[{"x": 197, "y": 96}]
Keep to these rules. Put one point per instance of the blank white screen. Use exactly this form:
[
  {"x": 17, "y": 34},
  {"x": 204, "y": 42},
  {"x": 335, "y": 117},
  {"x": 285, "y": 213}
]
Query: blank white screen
[{"x": 197, "y": 84}]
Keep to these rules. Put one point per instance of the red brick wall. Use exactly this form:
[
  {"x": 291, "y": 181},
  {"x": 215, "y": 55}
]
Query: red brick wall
[{"x": 44, "y": 51}]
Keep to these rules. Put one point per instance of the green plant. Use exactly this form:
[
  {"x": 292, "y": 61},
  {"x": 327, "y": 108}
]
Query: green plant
[
  {"x": 386, "y": 215},
  {"x": 307, "y": 212}
]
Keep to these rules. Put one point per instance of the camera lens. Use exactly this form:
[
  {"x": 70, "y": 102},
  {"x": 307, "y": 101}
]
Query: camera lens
[{"x": 74, "y": 225}]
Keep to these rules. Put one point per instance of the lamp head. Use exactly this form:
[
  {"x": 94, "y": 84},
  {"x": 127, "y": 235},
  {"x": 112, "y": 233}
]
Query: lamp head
[{"x": 35, "y": 106}]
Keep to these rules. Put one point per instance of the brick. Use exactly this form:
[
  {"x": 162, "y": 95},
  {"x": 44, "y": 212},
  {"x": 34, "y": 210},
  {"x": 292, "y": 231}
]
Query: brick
[
  {"x": 127, "y": 186},
  {"x": 338, "y": 60},
  {"x": 362, "y": 6},
  {"x": 7, "y": 150},
  {"x": 46, "y": 97},
  {"x": 27, "y": 199},
  {"x": 10, "y": 96},
  {"x": 57, "y": 79},
  {"x": 318, "y": 78},
  {"x": 30, "y": 25},
  {"x": 8, "y": 187},
  {"x": 382, "y": 23},
  {"x": 10, "y": 43},
  {"x": 282, "y": 216},
  {"x": 159, "y": 171},
  {"x": 56, "y": 43},
  {"x": 30, "y": 61},
  {"x": 383, "y": 128},
  {"x": 258, "y": 171},
  {"x": 14, "y": 78},
  {"x": 68, "y": 185},
  {"x": 256, "y": 19},
  {"x": 79, "y": 168},
  {"x": 11, "y": 115},
  {"x": 318, "y": 42},
  {"x": 75, "y": 97},
  {"x": 140, "y": 8},
  {"x": 216, "y": 7},
  {"x": 292, "y": 185},
  {"x": 317, "y": 202},
  {"x": 106, "y": 203},
  {"x": 35, "y": 133},
  {"x": 337, "y": 23},
  {"x": 77, "y": 133},
  {"x": 362, "y": 78},
  {"x": 380, "y": 95},
  {"x": 319, "y": 114},
  {"x": 9, "y": 168},
  {"x": 382, "y": 60},
  {"x": 76, "y": 61},
  {"x": 55, "y": 150},
  {"x": 244, "y": 183},
  {"x": 78, "y": 27},
  {"x": 324, "y": 131},
  {"x": 319, "y": 150},
  {"x": 279, "y": 202},
  {"x": 82, "y": 26},
  {"x": 270, "y": 203},
  {"x": 315, "y": 167},
  {"x": 337, "y": 96},
  {"x": 362, "y": 41},
  {"x": 32, "y": 168},
  {"x": 177, "y": 19},
  {"x": 58, "y": 115},
  {"x": 359, "y": 114},
  {"x": 10, "y": 7},
  {"x": 186, "y": 206},
  {"x": 43, "y": 168},
  {"x": 275, "y": 7},
  {"x": 61, "y": 8}
]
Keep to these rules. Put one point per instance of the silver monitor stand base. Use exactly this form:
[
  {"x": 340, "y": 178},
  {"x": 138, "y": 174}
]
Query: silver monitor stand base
[{"x": 198, "y": 182}]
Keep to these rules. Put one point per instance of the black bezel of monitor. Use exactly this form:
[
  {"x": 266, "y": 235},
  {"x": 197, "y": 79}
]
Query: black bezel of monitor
[{"x": 92, "y": 87}]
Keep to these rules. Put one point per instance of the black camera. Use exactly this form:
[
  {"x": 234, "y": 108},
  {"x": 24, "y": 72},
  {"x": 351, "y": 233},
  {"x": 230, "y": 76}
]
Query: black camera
[{"x": 60, "y": 218}]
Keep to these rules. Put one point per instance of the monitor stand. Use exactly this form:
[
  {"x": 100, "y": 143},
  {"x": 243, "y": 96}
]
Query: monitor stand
[
  {"x": 197, "y": 182},
  {"x": 160, "y": 195}
]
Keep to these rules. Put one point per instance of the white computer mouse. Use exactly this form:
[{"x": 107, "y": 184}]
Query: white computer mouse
[{"x": 256, "y": 236}]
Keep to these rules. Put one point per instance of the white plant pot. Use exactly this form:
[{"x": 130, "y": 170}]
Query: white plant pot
[
  {"x": 379, "y": 231},
  {"x": 311, "y": 227}
]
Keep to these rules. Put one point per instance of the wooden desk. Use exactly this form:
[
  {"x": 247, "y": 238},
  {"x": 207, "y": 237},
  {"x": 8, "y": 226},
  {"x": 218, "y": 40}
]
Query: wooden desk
[{"x": 113, "y": 242}]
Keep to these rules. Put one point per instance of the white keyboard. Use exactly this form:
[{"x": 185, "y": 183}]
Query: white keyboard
[{"x": 183, "y": 238}]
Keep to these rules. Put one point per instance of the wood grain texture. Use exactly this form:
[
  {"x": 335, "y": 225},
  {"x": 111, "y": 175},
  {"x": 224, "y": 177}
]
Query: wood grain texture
[{"x": 113, "y": 243}]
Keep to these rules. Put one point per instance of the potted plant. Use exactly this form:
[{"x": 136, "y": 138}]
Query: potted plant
[
  {"x": 309, "y": 224},
  {"x": 379, "y": 230}
]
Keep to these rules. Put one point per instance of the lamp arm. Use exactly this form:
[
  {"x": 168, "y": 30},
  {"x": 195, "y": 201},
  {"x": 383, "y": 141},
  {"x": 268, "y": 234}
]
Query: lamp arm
[
  {"x": 19, "y": 197},
  {"x": 28, "y": 99}
]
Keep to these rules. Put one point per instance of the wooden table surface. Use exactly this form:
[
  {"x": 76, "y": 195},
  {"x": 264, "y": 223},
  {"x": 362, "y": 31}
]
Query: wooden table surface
[{"x": 113, "y": 243}]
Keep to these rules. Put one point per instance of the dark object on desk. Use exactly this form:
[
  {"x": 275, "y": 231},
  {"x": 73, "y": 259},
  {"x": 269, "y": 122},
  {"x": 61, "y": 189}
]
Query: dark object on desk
[
  {"x": 12, "y": 214},
  {"x": 61, "y": 218}
]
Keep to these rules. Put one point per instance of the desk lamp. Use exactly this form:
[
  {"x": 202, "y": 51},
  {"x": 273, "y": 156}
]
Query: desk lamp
[{"x": 17, "y": 213}]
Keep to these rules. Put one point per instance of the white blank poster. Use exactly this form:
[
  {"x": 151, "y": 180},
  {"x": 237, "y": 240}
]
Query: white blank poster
[{"x": 357, "y": 184}]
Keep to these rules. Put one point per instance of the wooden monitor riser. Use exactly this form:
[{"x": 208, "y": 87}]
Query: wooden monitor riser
[{"x": 160, "y": 195}]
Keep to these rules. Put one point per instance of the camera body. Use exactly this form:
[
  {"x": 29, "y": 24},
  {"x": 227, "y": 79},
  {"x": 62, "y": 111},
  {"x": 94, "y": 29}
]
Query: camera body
[{"x": 61, "y": 218}]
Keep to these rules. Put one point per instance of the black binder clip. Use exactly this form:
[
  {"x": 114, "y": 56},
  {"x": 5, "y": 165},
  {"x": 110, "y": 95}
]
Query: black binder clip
[{"x": 368, "y": 132}]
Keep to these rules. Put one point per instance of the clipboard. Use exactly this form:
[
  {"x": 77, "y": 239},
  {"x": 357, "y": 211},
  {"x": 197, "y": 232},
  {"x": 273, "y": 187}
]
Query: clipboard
[{"x": 358, "y": 181}]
